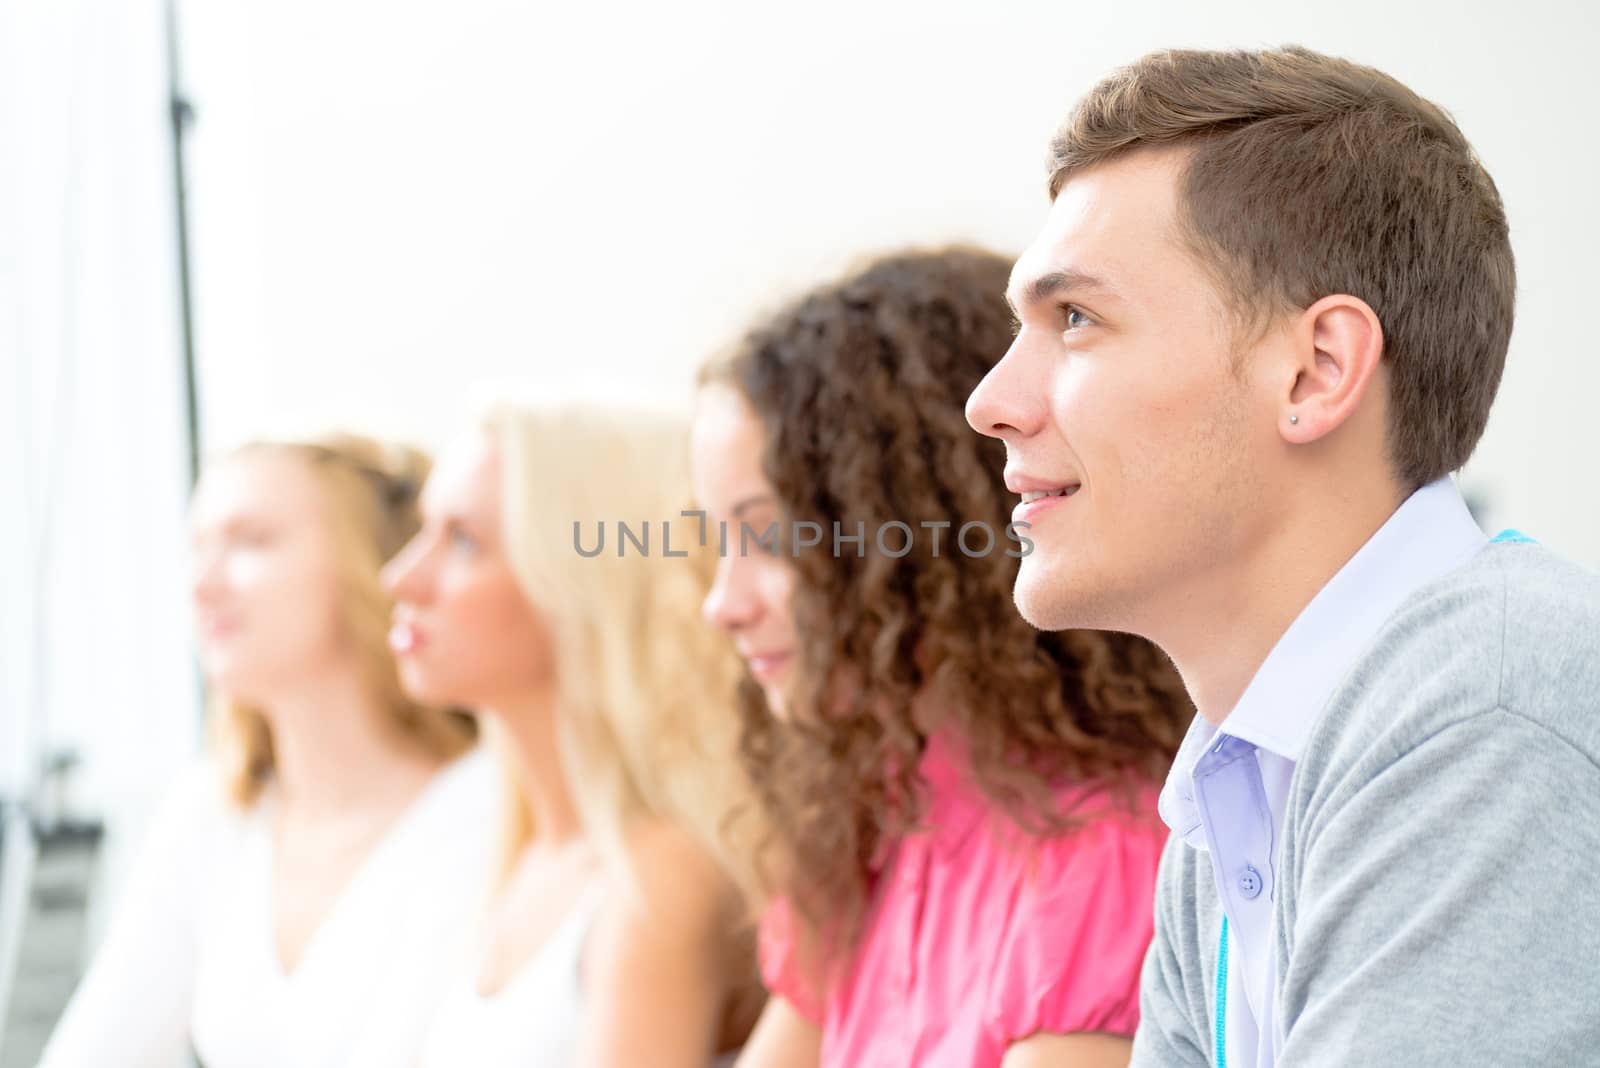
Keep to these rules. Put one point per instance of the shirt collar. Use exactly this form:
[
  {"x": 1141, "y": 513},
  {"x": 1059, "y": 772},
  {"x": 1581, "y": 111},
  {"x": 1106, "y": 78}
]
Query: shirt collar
[{"x": 1428, "y": 536}]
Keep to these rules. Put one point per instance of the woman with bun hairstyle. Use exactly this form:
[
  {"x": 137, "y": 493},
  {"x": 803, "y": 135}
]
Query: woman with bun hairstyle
[
  {"x": 963, "y": 833},
  {"x": 299, "y": 893},
  {"x": 616, "y": 935}
]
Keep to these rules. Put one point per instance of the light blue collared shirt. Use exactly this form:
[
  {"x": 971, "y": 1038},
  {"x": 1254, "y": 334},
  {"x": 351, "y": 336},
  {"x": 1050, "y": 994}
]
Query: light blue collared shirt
[{"x": 1229, "y": 785}]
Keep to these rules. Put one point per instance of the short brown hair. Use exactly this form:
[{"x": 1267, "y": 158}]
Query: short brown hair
[{"x": 1309, "y": 175}]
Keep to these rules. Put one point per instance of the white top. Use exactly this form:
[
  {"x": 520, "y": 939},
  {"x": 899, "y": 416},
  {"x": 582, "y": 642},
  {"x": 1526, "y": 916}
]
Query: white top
[
  {"x": 190, "y": 962},
  {"x": 1229, "y": 785},
  {"x": 534, "y": 1021}
]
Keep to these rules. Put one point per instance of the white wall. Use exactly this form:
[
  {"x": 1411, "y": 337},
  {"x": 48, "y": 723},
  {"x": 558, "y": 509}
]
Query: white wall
[
  {"x": 95, "y": 483},
  {"x": 390, "y": 201}
]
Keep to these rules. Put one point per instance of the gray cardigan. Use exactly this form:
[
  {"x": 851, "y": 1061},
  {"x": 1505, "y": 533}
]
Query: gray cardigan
[{"x": 1440, "y": 890}]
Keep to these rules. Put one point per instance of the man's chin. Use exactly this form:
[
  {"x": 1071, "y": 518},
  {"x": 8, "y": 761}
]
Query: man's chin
[
  {"x": 1037, "y": 607},
  {"x": 1041, "y": 596}
]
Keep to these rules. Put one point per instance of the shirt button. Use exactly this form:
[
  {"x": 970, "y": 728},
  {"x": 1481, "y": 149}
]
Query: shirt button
[{"x": 1250, "y": 883}]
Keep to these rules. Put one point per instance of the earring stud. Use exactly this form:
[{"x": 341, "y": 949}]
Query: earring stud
[{"x": 1293, "y": 420}]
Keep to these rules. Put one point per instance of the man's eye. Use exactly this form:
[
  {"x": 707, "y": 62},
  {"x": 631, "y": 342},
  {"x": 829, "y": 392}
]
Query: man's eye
[{"x": 1076, "y": 319}]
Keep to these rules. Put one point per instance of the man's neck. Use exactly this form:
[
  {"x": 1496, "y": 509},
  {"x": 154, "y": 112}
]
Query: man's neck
[{"x": 1219, "y": 629}]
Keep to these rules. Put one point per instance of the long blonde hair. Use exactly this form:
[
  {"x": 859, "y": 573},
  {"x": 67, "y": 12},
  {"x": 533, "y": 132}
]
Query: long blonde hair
[
  {"x": 645, "y": 709},
  {"x": 371, "y": 491}
]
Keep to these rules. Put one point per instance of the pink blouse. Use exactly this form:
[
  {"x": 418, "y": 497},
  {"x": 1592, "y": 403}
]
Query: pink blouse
[{"x": 977, "y": 937}]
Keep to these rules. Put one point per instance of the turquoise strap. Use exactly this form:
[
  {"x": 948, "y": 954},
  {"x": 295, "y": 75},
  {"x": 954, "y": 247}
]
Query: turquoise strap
[
  {"x": 1513, "y": 537},
  {"x": 1222, "y": 996}
]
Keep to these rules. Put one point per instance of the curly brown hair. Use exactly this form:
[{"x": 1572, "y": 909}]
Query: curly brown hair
[{"x": 860, "y": 386}]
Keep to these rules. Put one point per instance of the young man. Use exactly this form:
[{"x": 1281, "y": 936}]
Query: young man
[{"x": 1264, "y": 322}]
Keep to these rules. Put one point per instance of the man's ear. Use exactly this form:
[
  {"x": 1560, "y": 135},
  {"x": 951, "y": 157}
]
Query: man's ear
[{"x": 1337, "y": 348}]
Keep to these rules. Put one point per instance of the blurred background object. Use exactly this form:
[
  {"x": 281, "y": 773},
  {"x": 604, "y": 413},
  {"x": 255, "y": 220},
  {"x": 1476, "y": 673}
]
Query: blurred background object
[
  {"x": 98, "y": 700},
  {"x": 389, "y": 201}
]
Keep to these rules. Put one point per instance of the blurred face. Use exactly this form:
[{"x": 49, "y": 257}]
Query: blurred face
[
  {"x": 463, "y": 632},
  {"x": 751, "y": 597},
  {"x": 1135, "y": 441},
  {"x": 266, "y": 583}
]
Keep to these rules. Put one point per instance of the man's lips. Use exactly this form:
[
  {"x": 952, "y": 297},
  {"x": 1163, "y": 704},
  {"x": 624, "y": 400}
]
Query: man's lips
[
  {"x": 1036, "y": 503},
  {"x": 1029, "y": 496},
  {"x": 1022, "y": 482}
]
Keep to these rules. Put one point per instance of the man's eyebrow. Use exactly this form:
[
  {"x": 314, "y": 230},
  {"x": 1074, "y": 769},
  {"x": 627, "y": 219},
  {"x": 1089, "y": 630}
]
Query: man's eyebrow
[{"x": 1049, "y": 284}]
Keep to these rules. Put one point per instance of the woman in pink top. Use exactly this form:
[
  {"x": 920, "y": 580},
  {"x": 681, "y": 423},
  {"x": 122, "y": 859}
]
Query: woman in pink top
[{"x": 963, "y": 831}]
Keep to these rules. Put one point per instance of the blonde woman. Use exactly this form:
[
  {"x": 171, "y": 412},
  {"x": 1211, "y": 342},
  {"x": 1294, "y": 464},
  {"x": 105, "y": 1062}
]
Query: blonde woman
[
  {"x": 616, "y": 936},
  {"x": 298, "y": 895}
]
